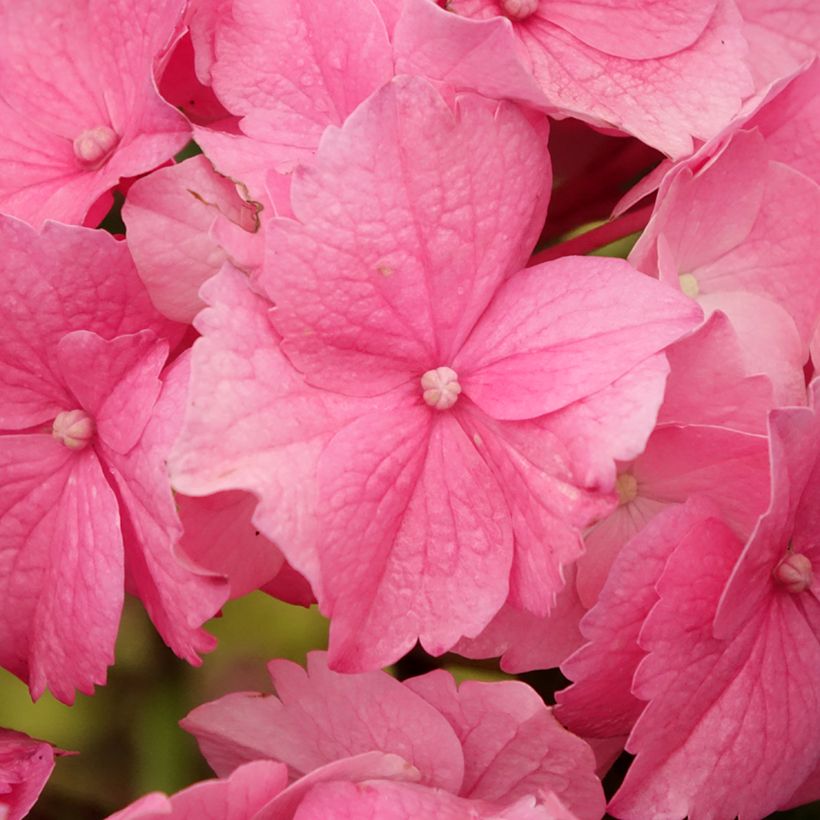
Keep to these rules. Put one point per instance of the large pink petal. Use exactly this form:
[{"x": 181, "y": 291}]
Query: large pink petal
[
  {"x": 61, "y": 566},
  {"x": 416, "y": 541},
  {"x": 600, "y": 702},
  {"x": 71, "y": 68},
  {"x": 311, "y": 67},
  {"x": 513, "y": 746},
  {"x": 560, "y": 331},
  {"x": 55, "y": 281},
  {"x": 169, "y": 215},
  {"x": 450, "y": 211},
  {"x": 178, "y": 595},
  {"x": 238, "y": 797},
  {"x": 319, "y": 716},
  {"x": 25, "y": 766},
  {"x": 720, "y": 709},
  {"x": 116, "y": 382},
  {"x": 252, "y": 423}
]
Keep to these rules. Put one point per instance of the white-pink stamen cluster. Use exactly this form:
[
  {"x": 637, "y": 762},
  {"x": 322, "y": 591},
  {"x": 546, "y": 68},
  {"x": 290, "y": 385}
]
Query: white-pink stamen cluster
[
  {"x": 74, "y": 428},
  {"x": 441, "y": 387},
  {"x": 519, "y": 9},
  {"x": 794, "y": 572},
  {"x": 93, "y": 146}
]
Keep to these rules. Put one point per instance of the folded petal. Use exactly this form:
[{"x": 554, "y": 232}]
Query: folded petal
[{"x": 25, "y": 766}]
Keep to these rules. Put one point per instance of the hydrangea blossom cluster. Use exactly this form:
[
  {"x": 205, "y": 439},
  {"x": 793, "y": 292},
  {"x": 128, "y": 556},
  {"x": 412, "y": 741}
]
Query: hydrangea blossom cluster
[{"x": 346, "y": 353}]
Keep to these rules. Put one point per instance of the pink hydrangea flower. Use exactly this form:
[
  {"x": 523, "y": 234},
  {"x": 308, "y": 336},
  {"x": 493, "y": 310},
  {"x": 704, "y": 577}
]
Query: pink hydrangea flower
[
  {"x": 25, "y": 766},
  {"x": 714, "y": 635},
  {"x": 482, "y": 748},
  {"x": 454, "y": 419},
  {"x": 79, "y": 107},
  {"x": 638, "y": 66},
  {"x": 87, "y": 418}
]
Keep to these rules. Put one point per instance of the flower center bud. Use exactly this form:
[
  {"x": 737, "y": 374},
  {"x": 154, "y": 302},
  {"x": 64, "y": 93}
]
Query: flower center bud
[
  {"x": 627, "y": 488},
  {"x": 794, "y": 572},
  {"x": 518, "y": 9},
  {"x": 74, "y": 428},
  {"x": 441, "y": 387},
  {"x": 689, "y": 285},
  {"x": 93, "y": 146}
]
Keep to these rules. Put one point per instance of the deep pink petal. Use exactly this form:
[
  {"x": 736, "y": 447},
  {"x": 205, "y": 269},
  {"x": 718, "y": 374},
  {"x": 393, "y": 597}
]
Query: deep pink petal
[
  {"x": 61, "y": 566},
  {"x": 416, "y": 541},
  {"x": 450, "y": 212},
  {"x": 53, "y": 282},
  {"x": 513, "y": 746},
  {"x": 560, "y": 331},
  {"x": 25, "y": 766},
  {"x": 319, "y": 716}
]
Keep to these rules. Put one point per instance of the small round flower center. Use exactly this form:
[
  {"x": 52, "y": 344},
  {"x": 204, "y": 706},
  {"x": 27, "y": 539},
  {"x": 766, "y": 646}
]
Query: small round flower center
[
  {"x": 93, "y": 146},
  {"x": 794, "y": 572},
  {"x": 627, "y": 488},
  {"x": 74, "y": 428},
  {"x": 689, "y": 285},
  {"x": 518, "y": 9},
  {"x": 441, "y": 387}
]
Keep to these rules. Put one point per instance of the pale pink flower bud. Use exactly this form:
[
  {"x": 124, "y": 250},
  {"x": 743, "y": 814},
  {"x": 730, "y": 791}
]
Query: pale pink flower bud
[
  {"x": 519, "y": 9},
  {"x": 794, "y": 572},
  {"x": 441, "y": 387},
  {"x": 94, "y": 146},
  {"x": 74, "y": 428}
]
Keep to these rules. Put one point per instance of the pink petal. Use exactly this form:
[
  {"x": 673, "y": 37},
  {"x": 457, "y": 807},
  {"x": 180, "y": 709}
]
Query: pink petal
[
  {"x": 116, "y": 382},
  {"x": 319, "y": 716},
  {"x": 67, "y": 71},
  {"x": 240, "y": 381},
  {"x": 513, "y": 746},
  {"x": 708, "y": 382},
  {"x": 61, "y": 279},
  {"x": 560, "y": 331},
  {"x": 416, "y": 540},
  {"x": 60, "y": 566},
  {"x": 25, "y": 766},
  {"x": 218, "y": 535},
  {"x": 600, "y": 702},
  {"x": 238, "y": 797},
  {"x": 761, "y": 682},
  {"x": 178, "y": 595},
  {"x": 435, "y": 251},
  {"x": 169, "y": 215}
]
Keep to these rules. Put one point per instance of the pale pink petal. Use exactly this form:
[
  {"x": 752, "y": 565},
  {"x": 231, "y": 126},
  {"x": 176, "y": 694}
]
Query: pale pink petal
[
  {"x": 659, "y": 99},
  {"x": 708, "y": 381},
  {"x": 781, "y": 36},
  {"x": 61, "y": 566},
  {"x": 525, "y": 641},
  {"x": 481, "y": 56},
  {"x": 451, "y": 211},
  {"x": 562, "y": 330},
  {"x": 238, "y": 797},
  {"x": 178, "y": 595},
  {"x": 416, "y": 540},
  {"x": 720, "y": 709},
  {"x": 218, "y": 535},
  {"x": 25, "y": 766},
  {"x": 116, "y": 382},
  {"x": 312, "y": 65},
  {"x": 240, "y": 381},
  {"x": 319, "y": 716},
  {"x": 68, "y": 73},
  {"x": 355, "y": 769},
  {"x": 169, "y": 215},
  {"x": 61, "y": 279},
  {"x": 513, "y": 746},
  {"x": 600, "y": 702}
]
